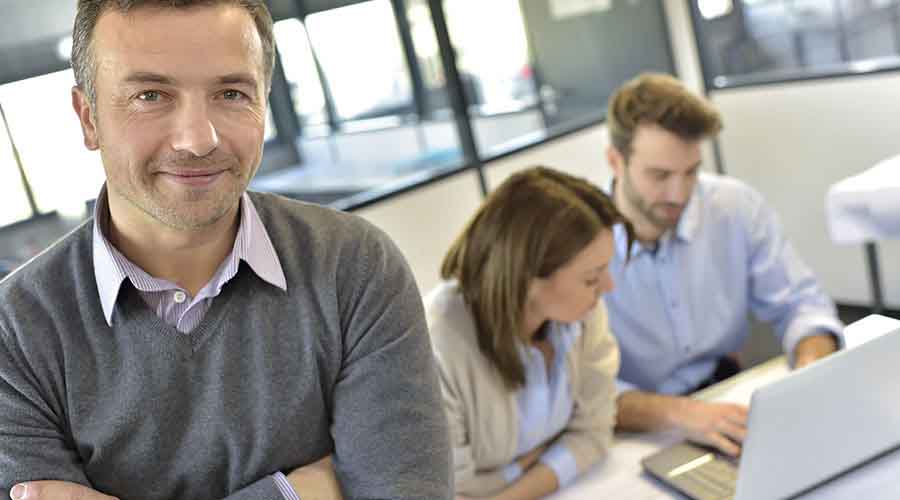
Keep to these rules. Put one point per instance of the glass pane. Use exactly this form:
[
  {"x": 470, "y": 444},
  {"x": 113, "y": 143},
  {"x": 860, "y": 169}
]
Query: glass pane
[
  {"x": 492, "y": 54},
  {"x": 271, "y": 130},
  {"x": 300, "y": 72},
  {"x": 428, "y": 54},
  {"x": 492, "y": 59},
  {"x": 873, "y": 28},
  {"x": 62, "y": 172},
  {"x": 13, "y": 202},
  {"x": 380, "y": 141},
  {"x": 781, "y": 40},
  {"x": 360, "y": 53}
]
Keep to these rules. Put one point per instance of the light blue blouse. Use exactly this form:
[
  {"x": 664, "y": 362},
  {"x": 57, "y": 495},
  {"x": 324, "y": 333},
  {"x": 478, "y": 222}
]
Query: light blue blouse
[{"x": 545, "y": 403}]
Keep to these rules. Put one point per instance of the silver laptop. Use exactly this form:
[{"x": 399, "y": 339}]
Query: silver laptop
[{"x": 803, "y": 430}]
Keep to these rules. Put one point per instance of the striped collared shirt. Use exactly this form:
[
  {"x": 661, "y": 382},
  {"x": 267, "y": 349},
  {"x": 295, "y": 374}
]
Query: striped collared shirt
[{"x": 173, "y": 304}]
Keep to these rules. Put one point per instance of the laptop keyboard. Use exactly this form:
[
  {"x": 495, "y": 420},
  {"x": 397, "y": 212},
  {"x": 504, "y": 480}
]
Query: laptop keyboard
[{"x": 712, "y": 480}]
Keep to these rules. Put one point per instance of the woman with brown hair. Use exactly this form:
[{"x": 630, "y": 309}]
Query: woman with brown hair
[{"x": 526, "y": 360}]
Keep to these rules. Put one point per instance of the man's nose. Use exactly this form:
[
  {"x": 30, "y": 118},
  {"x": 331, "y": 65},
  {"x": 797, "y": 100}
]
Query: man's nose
[
  {"x": 679, "y": 190},
  {"x": 194, "y": 130}
]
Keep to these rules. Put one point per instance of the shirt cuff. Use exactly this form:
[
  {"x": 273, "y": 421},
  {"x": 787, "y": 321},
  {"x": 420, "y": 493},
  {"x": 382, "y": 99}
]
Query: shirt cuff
[
  {"x": 284, "y": 487},
  {"x": 562, "y": 463},
  {"x": 807, "y": 326},
  {"x": 512, "y": 472},
  {"x": 623, "y": 386}
]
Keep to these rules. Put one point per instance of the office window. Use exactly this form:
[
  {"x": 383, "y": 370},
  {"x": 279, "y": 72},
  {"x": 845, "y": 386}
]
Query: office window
[
  {"x": 428, "y": 55},
  {"x": 585, "y": 50},
  {"x": 271, "y": 129},
  {"x": 493, "y": 62},
  {"x": 360, "y": 53},
  {"x": 13, "y": 201},
  {"x": 379, "y": 138},
  {"x": 777, "y": 40},
  {"x": 302, "y": 77},
  {"x": 492, "y": 54},
  {"x": 62, "y": 172}
]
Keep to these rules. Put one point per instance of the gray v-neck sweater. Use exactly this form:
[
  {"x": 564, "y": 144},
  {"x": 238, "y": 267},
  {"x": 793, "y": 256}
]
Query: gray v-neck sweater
[{"x": 270, "y": 380}]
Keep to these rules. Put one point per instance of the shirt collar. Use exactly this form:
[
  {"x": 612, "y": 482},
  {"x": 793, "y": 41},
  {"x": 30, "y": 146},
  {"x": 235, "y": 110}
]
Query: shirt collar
[{"x": 252, "y": 245}]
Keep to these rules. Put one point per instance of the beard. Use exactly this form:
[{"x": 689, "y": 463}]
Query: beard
[{"x": 657, "y": 214}]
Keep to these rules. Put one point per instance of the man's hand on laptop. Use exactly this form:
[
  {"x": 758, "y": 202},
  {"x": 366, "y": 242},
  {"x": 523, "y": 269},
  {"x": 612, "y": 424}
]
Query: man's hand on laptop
[
  {"x": 814, "y": 347},
  {"x": 721, "y": 425},
  {"x": 55, "y": 490}
]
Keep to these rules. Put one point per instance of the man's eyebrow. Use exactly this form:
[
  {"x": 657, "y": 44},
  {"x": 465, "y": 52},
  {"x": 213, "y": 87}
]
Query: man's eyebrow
[
  {"x": 229, "y": 79},
  {"x": 668, "y": 170},
  {"x": 149, "y": 77},
  {"x": 238, "y": 79}
]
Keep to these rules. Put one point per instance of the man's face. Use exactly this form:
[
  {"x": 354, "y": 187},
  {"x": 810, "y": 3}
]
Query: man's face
[
  {"x": 180, "y": 112},
  {"x": 659, "y": 176}
]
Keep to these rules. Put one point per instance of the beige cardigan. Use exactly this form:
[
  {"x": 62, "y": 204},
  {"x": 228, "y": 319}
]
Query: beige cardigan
[{"x": 483, "y": 413}]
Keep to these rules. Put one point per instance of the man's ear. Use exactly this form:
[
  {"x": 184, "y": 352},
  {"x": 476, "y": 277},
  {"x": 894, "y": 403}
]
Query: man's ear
[
  {"x": 82, "y": 107},
  {"x": 615, "y": 159}
]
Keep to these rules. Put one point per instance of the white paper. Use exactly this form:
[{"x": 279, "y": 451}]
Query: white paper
[
  {"x": 561, "y": 9},
  {"x": 868, "y": 328}
]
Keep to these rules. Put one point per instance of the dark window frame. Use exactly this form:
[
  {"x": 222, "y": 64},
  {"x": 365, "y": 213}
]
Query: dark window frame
[
  {"x": 278, "y": 150},
  {"x": 851, "y": 68}
]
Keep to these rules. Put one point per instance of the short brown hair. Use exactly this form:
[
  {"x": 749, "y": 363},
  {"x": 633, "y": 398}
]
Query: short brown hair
[
  {"x": 658, "y": 99},
  {"x": 529, "y": 227},
  {"x": 89, "y": 12}
]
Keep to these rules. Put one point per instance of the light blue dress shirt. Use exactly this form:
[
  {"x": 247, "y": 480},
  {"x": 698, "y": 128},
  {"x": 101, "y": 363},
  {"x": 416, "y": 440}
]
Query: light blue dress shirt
[
  {"x": 545, "y": 403},
  {"x": 678, "y": 308}
]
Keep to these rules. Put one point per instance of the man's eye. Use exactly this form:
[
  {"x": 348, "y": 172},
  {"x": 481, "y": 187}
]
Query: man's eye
[
  {"x": 149, "y": 96},
  {"x": 233, "y": 95}
]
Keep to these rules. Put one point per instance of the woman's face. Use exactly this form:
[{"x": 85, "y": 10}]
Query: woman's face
[{"x": 573, "y": 290}]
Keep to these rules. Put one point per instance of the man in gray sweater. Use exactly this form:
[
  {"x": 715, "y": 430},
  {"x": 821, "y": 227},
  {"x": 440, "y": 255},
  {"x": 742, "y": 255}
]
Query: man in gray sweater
[{"x": 194, "y": 340}]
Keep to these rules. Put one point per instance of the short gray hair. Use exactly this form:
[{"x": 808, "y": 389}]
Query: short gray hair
[{"x": 89, "y": 12}]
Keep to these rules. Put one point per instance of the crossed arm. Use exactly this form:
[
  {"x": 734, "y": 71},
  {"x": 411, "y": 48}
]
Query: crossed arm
[{"x": 315, "y": 481}]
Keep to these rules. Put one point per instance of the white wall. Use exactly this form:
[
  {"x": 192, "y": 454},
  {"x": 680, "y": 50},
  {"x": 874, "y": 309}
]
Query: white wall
[
  {"x": 684, "y": 44},
  {"x": 424, "y": 222},
  {"x": 582, "y": 154},
  {"x": 792, "y": 141},
  {"x": 687, "y": 60}
]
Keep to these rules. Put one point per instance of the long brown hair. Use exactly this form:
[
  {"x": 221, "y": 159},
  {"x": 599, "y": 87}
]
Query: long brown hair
[{"x": 529, "y": 227}]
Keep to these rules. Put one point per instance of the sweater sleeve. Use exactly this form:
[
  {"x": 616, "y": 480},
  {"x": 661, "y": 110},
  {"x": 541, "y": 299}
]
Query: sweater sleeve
[
  {"x": 469, "y": 480},
  {"x": 389, "y": 431},
  {"x": 588, "y": 435},
  {"x": 34, "y": 443}
]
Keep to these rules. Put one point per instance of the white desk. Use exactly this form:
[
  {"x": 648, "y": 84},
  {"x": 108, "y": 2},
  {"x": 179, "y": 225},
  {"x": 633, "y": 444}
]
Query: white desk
[{"x": 620, "y": 476}]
